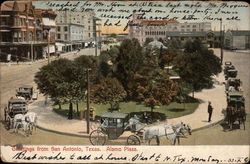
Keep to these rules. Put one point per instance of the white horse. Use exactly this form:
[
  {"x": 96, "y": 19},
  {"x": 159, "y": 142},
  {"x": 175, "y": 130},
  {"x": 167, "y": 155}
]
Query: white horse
[
  {"x": 32, "y": 119},
  {"x": 20, "y": 121},
  {"x": 172, "y": 131}
]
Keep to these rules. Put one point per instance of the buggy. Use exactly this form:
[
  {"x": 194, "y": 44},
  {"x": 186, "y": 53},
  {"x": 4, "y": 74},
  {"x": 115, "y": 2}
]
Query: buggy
[
  {"x": 26, "y": 91},
  {"x": 112, "y": 126},
  {"x": 235, "y": 108}
]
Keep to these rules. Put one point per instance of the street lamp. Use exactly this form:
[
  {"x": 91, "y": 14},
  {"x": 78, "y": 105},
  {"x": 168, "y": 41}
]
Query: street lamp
[{"x": 221, "y": 43}]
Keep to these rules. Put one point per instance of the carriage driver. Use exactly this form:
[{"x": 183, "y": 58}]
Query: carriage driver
[{"x": 210, "y": 111}]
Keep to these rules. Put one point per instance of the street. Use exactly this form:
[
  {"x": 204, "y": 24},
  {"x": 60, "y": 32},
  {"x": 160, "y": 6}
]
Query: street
[{"x": 13, "y": 76}]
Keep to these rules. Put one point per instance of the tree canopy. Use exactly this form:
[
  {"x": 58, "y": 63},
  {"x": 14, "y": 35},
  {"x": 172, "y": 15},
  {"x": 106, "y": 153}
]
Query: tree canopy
[{"x": 197, "y": 64}]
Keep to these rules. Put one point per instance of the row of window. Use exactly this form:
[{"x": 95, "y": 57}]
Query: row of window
[{"x": 155, "y": 33}]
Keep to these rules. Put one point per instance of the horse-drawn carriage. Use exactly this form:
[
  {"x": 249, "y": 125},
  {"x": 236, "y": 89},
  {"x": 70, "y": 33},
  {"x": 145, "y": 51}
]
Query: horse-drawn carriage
[
  {"x": 16, "y": 115},
  {"x": 26, "y": 91},
  {"x": 233, "y": 84},
  {"x": 113, "y": 125},
  {"x": 229, "y": 70},
  {"x": 235, "y": 108},
  {"x": 15, "y": 106}
]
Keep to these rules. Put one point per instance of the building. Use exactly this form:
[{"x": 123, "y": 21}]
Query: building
[
  {"x": 22, "y": 30},
  {"x": 142, "y": 29},
  {"x": 76, "y": 29},
  {"x": 210, "y": 38},
  {"x": 239, "y": 39}
]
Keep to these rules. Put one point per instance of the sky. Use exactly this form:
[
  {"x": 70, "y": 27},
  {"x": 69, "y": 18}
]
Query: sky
[{"x": 234, "y": 15}]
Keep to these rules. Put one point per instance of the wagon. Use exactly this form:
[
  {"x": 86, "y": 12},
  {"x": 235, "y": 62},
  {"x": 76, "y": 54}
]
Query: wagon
[
  {"x": 112, "y": 126},
  {"x": 15, "y": 106},
  {"x": 233, "y": 84},
  {"x": 26, "y": 91},
  {"x": 231, "y": 73},
  {"x": 235, "y": 109}
]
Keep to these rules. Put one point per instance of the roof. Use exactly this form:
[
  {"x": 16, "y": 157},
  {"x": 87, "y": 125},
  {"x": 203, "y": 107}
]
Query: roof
[
  {"x": 26, "y": 86},
  {"x": 236, "y": 93},
  {"x": 16, "y": 100},
  {"x": 159, "y": 22},
  {"x": 15, "y": 5},
  {"x": 114, "y": 115},
  {"x": 240, "y": 32},
  {"x": 197, "y": 34}
]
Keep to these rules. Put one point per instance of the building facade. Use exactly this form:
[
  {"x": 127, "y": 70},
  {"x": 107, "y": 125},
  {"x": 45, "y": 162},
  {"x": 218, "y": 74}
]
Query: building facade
[
  {"x": 22, "y": 30},
  {"x": 76, "y": 29},
  {"x": 210, "y": 38},
  {"x": 142, "y": 29},
  {"x": 239, "y": 39}
]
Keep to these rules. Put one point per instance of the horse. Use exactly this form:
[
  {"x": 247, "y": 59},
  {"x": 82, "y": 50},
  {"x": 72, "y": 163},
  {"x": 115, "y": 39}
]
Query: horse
[
  {"x": 21, "y": 120},
  {"x": 172, "y": 132},
  {"x": 32, "y": 119}
]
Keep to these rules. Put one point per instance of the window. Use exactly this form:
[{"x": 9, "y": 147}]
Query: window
[
  {"x": 58, "y": 36},
  {"x": 65, "y": 28},
  {"x": 66, "y": 37},
  {"x": 89, "y": 27},
  {"x": 188, "y": 25},
  {"x": 89, "y": 34},
  {"x": 194, "y": 30},
  {"x": 194, "y": 26},
  {"x": 58, "y": 28}
]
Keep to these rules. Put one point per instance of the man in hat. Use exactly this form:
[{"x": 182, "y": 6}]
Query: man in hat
[{"x": 210, "y": 111}]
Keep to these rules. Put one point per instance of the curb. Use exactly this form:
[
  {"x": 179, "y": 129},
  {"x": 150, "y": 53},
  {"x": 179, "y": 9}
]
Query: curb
[{"x": 87, "y": 136}]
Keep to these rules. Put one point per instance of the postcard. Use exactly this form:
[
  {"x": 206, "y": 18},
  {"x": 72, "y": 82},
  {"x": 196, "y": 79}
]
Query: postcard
[{"x": 125, "y": 81}]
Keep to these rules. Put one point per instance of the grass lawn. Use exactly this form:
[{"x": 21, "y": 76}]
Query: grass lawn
[{"x": 172, "y": 110}]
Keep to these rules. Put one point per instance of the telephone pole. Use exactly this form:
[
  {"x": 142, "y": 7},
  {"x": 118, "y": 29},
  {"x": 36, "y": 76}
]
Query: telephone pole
[
  {"x": 88, "y": 99},
  {"x": 221, "y": 43}
]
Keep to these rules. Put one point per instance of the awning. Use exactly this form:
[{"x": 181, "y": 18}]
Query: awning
[
  {"x": 60, "y": 46},
  {"x": 4, "y": 15},
  {"x": 48, "y": 22},
  {"x": 51, "y": 49},
  {"x": 4, "y": 30}
]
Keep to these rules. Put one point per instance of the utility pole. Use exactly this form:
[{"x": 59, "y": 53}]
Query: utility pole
[
  {"x": 221, "y": 43},
  {"x": 96, "y": 44},
  {"x": 88, "y": 99},
  {"x": 48, "y": 47}
]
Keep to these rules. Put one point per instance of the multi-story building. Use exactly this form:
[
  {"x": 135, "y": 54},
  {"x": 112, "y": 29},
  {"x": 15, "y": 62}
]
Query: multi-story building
[
  {"x": 237, "y": 39},
  {"x": 209, "y": 38},
  {"x": 23, "y": 30},
  {"x": 156, "y": 29},
  {"x": 78, "y": 29}
]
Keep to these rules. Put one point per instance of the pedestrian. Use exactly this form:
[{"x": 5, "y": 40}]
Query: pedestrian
[
  {"x": 210, "y": 111},
  {"x": 17, "y": 60},
  {"x": 8, "y": 59}
]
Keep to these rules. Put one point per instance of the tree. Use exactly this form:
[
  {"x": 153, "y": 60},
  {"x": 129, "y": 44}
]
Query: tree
[
  {"x": 81, "y": 64},
  {"x": 153, "y": 87},
  {"x": 128, "y": 61},
  {"x": 197, "y": 64},
  {"x": 61, "y": 81},
  {"x": 109, "y": 90}
]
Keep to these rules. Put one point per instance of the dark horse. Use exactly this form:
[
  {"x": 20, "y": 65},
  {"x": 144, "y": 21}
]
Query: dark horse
[{"x": 236, "y": 114}]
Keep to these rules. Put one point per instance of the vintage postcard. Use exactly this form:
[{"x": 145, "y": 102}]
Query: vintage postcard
[{"x": 125, "y": 81}]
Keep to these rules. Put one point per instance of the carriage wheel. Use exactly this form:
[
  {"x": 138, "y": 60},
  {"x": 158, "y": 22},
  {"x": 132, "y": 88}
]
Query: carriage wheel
[
  {"x": 133, "y": 140},
  {"x": 97, "y": 137}
]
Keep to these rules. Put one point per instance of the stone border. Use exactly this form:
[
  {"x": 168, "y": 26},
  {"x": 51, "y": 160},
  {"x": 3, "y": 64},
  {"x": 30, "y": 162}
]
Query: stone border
[{"x": 87, "y": 136}]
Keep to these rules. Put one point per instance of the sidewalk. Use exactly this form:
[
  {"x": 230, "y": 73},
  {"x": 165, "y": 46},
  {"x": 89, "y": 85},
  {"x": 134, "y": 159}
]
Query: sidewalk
[{"x": 50, "y": 121}]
